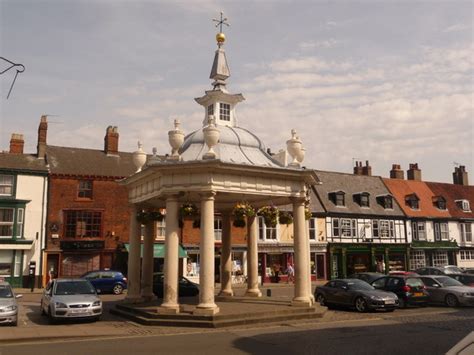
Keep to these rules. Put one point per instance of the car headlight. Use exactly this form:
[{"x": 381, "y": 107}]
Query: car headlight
[
  {"x": 10, "y": 308},
  {"x": 467, "y": 294},
  {"x": 375, "y": 298},
  {"x": 60, "y": 305},
  {"x": 96, "y": 303}
]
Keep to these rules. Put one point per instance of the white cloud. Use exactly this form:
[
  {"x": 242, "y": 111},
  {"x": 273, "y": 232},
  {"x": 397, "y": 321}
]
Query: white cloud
[{"x": 457, "y": 28}]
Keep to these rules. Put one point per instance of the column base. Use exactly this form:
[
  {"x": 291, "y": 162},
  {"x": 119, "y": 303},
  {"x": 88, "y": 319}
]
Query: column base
[
  {"x": 168, "y": 309},
  {"x": 301, "y": 302},
  {"x": 226, "y": 293},
  {"x": 149, "y": 297},
  {"x": 255, "y": 292},
  {"x": 206, "y": 311},
  {"x": 132, "y": 299}
]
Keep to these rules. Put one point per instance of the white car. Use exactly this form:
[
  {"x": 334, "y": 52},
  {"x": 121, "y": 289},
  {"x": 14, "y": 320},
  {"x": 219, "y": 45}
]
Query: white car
[
  {"x": 8, "y": 304},
  {"x": 69, "y": 299}
]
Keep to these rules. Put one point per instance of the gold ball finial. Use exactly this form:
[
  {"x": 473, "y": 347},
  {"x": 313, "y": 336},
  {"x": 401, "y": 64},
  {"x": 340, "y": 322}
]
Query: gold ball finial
[{"x": 220, "y": 38}]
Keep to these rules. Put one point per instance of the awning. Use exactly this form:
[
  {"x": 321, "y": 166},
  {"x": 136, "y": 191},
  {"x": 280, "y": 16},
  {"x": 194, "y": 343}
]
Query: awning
[{"x": 159, "y": 250}]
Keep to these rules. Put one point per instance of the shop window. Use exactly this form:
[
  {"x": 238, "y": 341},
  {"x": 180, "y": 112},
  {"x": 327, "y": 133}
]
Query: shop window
[
  {"x": 312, "y": 228},
  {"x": 440, "y": 258},
  {"x": 83, "y": 224},
  {"x": 6, "y": 222},
  {"x": 217, "y": 228},
  {"x": 417, "y": 259},
  {"x": 6, "y": 185},
  {"x": 192, "y": 267},
  {"x": 419, "y": 230},
  {"x": 160, "y": 230},
  {"x": 266, "y": 233},
  {"x": 344, "y": 227},
  {"x": 441, "y": 231},
  {"x": 224, "y": 112},
  {"x": 85, "y": 189},
  {"x": 6, "y": 261},
  {"x": 466, "y": 232}
]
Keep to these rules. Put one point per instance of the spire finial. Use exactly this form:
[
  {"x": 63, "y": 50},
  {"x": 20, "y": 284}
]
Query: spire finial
[{"x": 220, "y": 37}]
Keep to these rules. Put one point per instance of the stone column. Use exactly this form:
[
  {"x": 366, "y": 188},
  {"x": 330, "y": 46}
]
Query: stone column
[
  {"x": 252, "y": 258},
  {"x": 147, "y": 263},
  {"x": 308, "y": 247},
  {"x": 170, "y": 303},
  {"x": 226, "y": 257},
  {"x": 302, "y": 293},
  {"x": 133, "y": 286},
  {"x": 206, "y": 304}
]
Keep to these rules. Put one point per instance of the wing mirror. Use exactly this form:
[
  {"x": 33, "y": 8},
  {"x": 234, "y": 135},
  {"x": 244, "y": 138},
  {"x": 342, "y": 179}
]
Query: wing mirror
[
  {"x": 345, "y": 288},
  {"x": 18, "y": 296}
]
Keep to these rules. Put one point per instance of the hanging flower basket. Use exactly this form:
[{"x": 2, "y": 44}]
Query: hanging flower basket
[
  {"x": 145, "y": 217},
  {"x": 307, "y": 213},
  {"x": 285, "y": 217},
  {"x": 188, "y": 210},
  {"x": 240, "y": 212},
  {"x": 270, "y": 215}
]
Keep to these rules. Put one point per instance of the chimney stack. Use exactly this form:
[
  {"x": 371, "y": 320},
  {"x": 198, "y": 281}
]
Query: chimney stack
[
  {"x": 358, "y": 168},
  {"x": 367, "y": 169},
  {"x": 460, "y": 176},
  {"x": 111, "y": 141},
  {"x": 414, "y": 173},
  {"x": 16, "y": 143},
  {"x": 42, "y": 133},
  {"x": 397, "y": 172}
]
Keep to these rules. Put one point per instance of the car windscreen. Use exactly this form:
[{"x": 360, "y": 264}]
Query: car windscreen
[
  {"x": 74, "y": 288},
  {"x": 6, "y": 291},
  {"x": 448, "y": 281},
  {"x": 452, "y": 270},
  {"x": 414, "y": 282},
  {"x": 359, "y": 286}
]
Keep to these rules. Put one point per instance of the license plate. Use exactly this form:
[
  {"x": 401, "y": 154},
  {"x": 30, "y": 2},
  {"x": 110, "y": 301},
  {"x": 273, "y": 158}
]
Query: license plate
[
  {"x": 389, "y": 301},
  {"x": 78, "y": 311},
  {"x": 418, "y": 294}
]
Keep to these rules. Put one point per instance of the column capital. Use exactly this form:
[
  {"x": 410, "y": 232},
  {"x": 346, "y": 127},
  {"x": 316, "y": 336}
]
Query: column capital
[
  {"x": 207, "y": 195},
  {"x": 298, "y": 199},
  {"x": 171, "y": 196}
]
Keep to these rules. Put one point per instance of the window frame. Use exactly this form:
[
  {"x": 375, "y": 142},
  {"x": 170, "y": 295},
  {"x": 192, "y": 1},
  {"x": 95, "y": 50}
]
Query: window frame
[
  {"x": 312, "y": 229},
  {"x": 160, "y": 229},
  {"x": 5, "y": 185},
  {"x": 8, "y": 224},
  {"x": 224, "y": 111},
  {"x": 86, "y": 191},
  {"x": 438, "y": 231},
  {"x": 94, "y": 215},
  {"x": 466, "y": 232},
  {"x": 340, "y": 226},
  {"x": 217, "y": 228},
  {"x": 415, "y": 228},
  {"x": 264, "y": 231}
]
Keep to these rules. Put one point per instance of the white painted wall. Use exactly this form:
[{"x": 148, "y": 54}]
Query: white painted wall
[{"x": 33, "y": 188}]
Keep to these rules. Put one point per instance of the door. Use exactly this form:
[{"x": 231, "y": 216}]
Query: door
[
  {"x": 342, "y": 293},
  {"x": 320, "y": 266},
  {"x": 52, "y": 267},
  {"x": 434, "y": 289}
]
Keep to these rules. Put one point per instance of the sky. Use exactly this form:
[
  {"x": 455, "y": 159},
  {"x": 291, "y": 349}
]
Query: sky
[{"x": 390, "y": 82}]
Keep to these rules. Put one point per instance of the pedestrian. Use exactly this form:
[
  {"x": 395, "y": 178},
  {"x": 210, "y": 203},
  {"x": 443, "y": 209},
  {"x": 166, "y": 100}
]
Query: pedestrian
[
  {"x": 290, "y": 272},
  {"x": 276, "y": 270}
]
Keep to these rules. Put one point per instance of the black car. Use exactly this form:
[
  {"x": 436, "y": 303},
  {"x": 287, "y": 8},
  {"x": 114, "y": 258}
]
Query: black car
[
  {"x": 439, "y": 270},
  {"x": 356, "y": 294},
  {"x": 366, "y": 276},
  {"x": 410, "y": 289},
  {"x": 186, "y": 288},
  {"x": 465, "y": 279}
]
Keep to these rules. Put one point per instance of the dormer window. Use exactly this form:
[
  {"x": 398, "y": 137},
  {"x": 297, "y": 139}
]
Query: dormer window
[
  {"x": 338, "y": 198},
  {"x": 224, "y": 112},
  {"x": 464, "y": 205},
  {"x": 362, "y": 199},
  {"x": 386, "y": 201},
  {"x": 413, "y": 201},
  {"x": 439, "y": 202},
  {"x": 210, "y": 110}
]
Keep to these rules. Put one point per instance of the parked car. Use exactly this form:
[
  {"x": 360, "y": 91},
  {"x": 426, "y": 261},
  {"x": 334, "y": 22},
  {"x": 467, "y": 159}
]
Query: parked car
[
  {"x": 409, "y": 289},
  {"x": 355, "y": 293},
  {"x": 468, "y": 270},
  {"x": 107, "y": 281},
  {"x": 439, "y": 270},
  {"x": 186, "y": 288},
  {"x": 448, "y": 291},
  {"x": 8, "y": 304},
  {"x": 366, "y": 276},
  {"x": 70, "y": 299},
  {"x": 465, "y": 279},
  {"x": 403, "y": 273}
]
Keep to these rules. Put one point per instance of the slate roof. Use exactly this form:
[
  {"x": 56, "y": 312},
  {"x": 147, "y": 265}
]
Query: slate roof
[
  {"x": 401, "y": 188},
  {"x": 22, "y": 162},
  {"x": 352, "y": 184},
  {"x": 453, "y": 192},
  {"x": 88, "y": 162}
]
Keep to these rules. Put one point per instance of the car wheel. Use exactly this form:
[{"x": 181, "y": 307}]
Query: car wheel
[
  {"x": 451, "y": 301},
  {"x": 402, "y": 303},
  {"x": 321, "y": 299},
  {"x": 118, "y": 289},
  {"x": 360, "y": 305}
]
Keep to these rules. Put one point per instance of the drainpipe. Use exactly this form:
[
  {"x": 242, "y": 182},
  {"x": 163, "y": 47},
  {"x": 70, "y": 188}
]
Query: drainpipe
[{"x": 43, "y": 227}]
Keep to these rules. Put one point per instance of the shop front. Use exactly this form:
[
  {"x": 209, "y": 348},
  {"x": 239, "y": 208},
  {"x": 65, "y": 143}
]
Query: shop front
[
  {"x": 347, "y": 259},
  {"x": 440, "y": 253}
]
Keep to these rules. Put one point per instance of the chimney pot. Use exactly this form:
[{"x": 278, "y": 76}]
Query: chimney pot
[
  {"x": 358, "y": 168},
  {"x": 367, "y": 169},
  {"x": 460, "y": 176},
  {"x": 111, "y": 140},
  {"x": 414, "y": 173},
  {"x": 397, "y": 172}
]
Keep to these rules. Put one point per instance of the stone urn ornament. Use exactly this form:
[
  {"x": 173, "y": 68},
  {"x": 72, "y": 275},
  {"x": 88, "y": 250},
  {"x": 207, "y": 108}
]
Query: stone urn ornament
[
  {"x": 176, "y": 140},
  {"x": 211, "y": 137},
  {"x": 139, "y": 157},
  {"x": 301, "y": 154},
  {"x": 294, "y": 147}
]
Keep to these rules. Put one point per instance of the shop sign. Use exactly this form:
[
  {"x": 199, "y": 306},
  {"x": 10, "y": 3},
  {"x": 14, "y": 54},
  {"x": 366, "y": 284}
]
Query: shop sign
[{"x": 82, "y": 244}]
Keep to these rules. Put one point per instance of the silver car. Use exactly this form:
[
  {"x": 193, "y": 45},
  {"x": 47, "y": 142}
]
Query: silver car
[
  {"x": 69, "y": 299},
  {"x": 8, "y": 304},
  {"x": 448, "y": 291}
]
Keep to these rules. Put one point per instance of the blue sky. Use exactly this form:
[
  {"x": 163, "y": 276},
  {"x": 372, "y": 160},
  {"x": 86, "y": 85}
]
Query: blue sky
[{"x": 384, "y": 81}]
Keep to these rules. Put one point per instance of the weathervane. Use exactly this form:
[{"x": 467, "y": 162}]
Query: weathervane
[
  {"x": 20, "y": 69},
  {"x": 220, "y": 37}
]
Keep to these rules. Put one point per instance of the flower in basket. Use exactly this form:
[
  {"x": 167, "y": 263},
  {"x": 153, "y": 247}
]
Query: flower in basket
[
  {"x": 188, "y": 210},
  {"x": 269, "y": 214},
  {"x": 240, "y": 211},
  {"x": 307, "y": 213},
  {"x": 285, "y": 217},
  {"x": 142, "y": 217}
]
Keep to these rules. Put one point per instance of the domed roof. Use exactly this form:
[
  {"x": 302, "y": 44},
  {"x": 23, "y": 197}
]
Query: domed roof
[{"x": 236, "y": 145}]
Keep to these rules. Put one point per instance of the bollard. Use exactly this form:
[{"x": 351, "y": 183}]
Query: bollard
[{"x": 269, "y": 292}]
